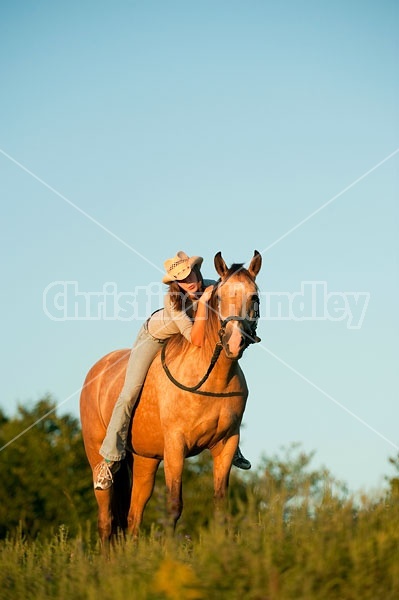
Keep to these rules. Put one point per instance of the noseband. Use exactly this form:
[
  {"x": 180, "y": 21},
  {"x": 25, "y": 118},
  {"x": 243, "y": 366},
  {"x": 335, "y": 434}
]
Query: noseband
[{"x": 249, "y": 329}]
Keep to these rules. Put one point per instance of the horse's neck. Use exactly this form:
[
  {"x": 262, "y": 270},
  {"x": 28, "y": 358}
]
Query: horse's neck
[
  {"x": 222, "y": 372},
  {"x": 225, "y": 368}
]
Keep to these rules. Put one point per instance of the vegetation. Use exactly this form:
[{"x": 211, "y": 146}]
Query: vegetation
[
  {"x": 46, "y": 478},
  {"x": 291, "y": 531}
]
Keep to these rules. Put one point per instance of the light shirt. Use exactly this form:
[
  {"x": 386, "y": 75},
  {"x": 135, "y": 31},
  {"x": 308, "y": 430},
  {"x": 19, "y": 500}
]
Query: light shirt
[{"x": 167, "y": 321}]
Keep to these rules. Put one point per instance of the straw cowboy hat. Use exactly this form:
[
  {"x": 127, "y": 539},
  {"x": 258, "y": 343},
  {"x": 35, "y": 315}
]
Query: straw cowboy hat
[{"x": 180, "y": 266}]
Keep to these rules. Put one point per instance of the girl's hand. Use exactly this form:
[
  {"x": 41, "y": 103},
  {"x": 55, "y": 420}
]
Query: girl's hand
[{"x": 207, "y": 293}]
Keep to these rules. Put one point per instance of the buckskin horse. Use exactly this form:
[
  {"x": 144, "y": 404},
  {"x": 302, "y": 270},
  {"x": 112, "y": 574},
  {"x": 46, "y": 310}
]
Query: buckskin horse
[{"x": 192, "y": 399}]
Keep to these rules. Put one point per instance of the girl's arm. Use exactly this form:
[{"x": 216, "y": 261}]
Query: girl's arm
[{"x": 198, "y": 329}]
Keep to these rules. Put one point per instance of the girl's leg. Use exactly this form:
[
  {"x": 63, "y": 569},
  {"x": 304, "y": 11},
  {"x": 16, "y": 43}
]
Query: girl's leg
[{"x": 143, "y": 352}]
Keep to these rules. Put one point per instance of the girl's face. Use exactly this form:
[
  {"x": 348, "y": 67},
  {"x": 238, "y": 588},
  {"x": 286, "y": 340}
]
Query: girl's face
[{"x": 190, "y": 285}]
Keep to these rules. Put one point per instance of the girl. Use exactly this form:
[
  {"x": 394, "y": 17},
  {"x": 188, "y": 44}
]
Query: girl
[{"x": 184, "y": 312}]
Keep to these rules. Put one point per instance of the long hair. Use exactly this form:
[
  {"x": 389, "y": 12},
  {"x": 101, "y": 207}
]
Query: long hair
[{"x": 177, "y": 344}]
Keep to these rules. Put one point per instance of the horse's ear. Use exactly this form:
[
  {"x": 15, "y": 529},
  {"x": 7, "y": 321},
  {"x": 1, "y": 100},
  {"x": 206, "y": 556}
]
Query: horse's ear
[
  {"x": 220, "y": 265},
  {"x": 255, "y": 264}
]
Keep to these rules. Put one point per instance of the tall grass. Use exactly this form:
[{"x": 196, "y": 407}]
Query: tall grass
[{"x": 330, "y": 551}]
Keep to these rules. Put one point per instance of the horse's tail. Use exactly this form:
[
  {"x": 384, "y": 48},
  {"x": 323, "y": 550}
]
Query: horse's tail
[{"x": 121, "y": 495}]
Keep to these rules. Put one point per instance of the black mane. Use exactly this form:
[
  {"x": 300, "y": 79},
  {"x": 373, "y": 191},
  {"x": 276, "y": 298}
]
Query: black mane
[{"x": 234, "y": 268}]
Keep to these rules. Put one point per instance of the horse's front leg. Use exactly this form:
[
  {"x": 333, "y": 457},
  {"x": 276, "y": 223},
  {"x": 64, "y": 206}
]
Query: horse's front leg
[
  {"x": 223, "y": 454},
  {"x": 144, "y": 471},
  {"x": 173, "y": 465}
]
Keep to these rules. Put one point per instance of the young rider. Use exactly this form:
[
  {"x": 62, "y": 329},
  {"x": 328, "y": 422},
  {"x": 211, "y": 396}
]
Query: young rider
[{"x": 184, "y": 312}]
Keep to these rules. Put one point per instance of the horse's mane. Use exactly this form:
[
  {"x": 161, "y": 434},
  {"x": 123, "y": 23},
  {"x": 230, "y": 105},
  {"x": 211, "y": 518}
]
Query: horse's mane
[
  {"x": 236, "y": 268},
  {"x": 178, "y": 345}
]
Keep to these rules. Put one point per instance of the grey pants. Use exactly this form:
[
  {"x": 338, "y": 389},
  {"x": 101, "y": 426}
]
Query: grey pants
[{"x": 141, "y": 356}]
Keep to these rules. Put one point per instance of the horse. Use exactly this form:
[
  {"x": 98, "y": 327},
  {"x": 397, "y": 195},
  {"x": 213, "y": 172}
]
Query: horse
[{"x": 193, "y": 399}]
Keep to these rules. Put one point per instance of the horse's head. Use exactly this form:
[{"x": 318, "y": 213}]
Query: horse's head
[{"x": 237, "y": 303}]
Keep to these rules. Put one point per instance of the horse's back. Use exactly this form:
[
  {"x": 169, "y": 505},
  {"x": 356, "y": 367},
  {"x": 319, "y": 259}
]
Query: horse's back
[{"x": 100, "y": 391}]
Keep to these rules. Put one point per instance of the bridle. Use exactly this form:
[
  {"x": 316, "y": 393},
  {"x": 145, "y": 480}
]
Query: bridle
[
  {"x": 249, "y": 323},
  {"x": 249, "y": 330}
]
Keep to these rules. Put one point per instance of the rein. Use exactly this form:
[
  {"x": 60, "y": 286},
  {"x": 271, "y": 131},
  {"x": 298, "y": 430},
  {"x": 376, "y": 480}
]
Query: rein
[
  {"x": 218, "y": 348},
  {"x": 194, "y": 389},
  {"x": 249, "y": 330}
]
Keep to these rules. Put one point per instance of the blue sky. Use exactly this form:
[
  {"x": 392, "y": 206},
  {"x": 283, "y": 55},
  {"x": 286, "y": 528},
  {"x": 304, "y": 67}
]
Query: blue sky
[{"x": 135, "y": 129}]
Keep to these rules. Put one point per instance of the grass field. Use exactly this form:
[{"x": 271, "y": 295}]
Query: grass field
[{"x": 330, "y": 551}]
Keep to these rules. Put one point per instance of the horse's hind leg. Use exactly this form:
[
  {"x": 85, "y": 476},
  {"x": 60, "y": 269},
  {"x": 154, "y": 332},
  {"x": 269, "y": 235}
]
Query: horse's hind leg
[
  {"x": 144, "y": 471},
  {"x": 104, "y": 520}
]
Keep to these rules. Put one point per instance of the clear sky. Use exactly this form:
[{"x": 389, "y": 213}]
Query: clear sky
[{"x": 131, "y": 130}]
